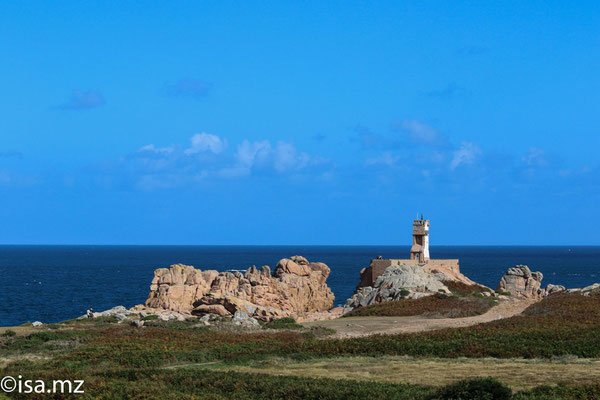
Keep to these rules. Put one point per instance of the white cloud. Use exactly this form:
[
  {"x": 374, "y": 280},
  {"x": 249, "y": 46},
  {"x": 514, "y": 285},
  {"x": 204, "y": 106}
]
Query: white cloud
[
  {"x": 467, "y": 153},
  {"x": 207, "y": 158},
  {"x": 203, "y": 142},
  {"x": 282, "y": 157},
  {"x": 249, "y": 153},
  {"x": 420, "y": 133},
  {"x": 286, "y": 157},
  {"x": 535, "y": 157},
  {"x": 158, "y": 150}
]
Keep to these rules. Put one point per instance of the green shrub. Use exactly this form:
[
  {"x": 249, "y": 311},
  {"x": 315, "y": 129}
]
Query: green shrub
[
  {"x": 560, "y": 392},
  {"x": 111, "y": 319},
  {"x": 45, "y": 340},
  {"x": 318, "y": 332},
  {"x": 283, "y": 323},
  {"x": 475, "y": 389},
  {"x": 173, "y": 325},
  {"x": 150, "y": 317},
  {"x": 500, "y": 292},
  {"x": 404, "y": 292},
  {"x": 286, "y": 320},
  {"x": 9, "y": 333}
]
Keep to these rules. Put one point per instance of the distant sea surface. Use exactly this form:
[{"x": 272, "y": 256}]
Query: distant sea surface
[{"x": 56, "y": 283}]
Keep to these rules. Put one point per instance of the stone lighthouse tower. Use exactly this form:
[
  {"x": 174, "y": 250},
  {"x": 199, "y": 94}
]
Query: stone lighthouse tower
[{"x": 420, "y": 246}]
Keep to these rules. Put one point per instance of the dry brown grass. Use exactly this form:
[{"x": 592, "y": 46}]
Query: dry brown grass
[
  {"x": 517, "y": 373},
  {"x": 20, "y": 330},
  {"x": 5, "y": 360},
  {"x": 463, "y": 289}
]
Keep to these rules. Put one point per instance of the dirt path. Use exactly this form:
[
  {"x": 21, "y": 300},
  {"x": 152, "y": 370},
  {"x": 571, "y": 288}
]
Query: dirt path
[{"x": 365, "y": 326}]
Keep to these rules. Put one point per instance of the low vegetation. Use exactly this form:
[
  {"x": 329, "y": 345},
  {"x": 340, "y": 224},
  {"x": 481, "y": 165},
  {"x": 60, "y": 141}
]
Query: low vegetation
[
  {"x": 462, "y": 289},
  {"x": 219, "y": 385},
  {"x": 437, "y": 306},
  {"x": 46, "y": 340},
  {"x": 463, "y": 301},
  {"x": 558, "y": 325},
  {"x": 121, "y": 361},
  {"x": 476, "y": 389},
  {"x": 517, "y": 373},
  {"x": 283, "y": 323}
]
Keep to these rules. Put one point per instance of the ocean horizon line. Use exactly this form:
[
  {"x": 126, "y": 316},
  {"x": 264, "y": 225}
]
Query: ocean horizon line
[{"x": 284, "y": 245}]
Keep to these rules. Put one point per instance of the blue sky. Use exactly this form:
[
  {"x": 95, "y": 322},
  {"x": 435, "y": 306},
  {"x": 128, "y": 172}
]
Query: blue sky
[{"x": 299, "y": 122}]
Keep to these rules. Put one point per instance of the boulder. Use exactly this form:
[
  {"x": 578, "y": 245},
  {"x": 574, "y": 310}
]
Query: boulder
[
  {"x": 216, "y": 309},
  {"x": 592, "y": 290},
  {"x": 295, "y": 287},
  {"x": 36, "y": 324},
  {"x": 320, "y": 268},
  {"x": 137, "y": 323},
  {"x": 167, "y": 317},
  {"x": 119, "y": 312},
  {"x": 113, "y": 311},
  {"x": 243, "y": 319},
  {"x": 209, "y": 318},
  {"x": 288, "y": 266},
  {"x": 397, "y": 282},
  {"x": 121, "y": 317},
  {"x": 299, "y": 260},
  {"x": 551, "y": 289},
  {"x": 521, "y": 282}
]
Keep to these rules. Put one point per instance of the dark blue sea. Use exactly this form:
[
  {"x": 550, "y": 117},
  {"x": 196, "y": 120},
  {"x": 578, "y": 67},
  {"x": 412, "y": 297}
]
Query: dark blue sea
[{"x": 55, "y": 283}]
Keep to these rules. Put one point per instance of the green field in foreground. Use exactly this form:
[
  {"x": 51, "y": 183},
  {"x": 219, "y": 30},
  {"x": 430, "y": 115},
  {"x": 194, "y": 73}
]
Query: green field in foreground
[{"x": 183, "y": 360}]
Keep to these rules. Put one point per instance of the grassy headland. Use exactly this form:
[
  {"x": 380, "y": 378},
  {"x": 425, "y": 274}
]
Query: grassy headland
[{"x": 118, "y": 360}]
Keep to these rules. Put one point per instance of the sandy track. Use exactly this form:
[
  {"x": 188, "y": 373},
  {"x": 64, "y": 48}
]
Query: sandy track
[{"x": 365, "y": 326}]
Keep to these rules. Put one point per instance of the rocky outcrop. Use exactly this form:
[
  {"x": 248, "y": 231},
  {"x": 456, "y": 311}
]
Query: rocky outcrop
[
  {"x": 296, "y": 287},
  {"x": 175, "y": 288},
  {"x": 591, "y": 290},
  {"x": 121, "y": 313},
  {"x": 521, "y": 282},
  {"x": 398, "y": 282},
  {"x": 553, "y": 289}
]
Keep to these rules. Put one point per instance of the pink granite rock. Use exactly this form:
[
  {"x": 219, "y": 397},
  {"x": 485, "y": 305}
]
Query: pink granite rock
[
  {"x": 521, "y": 282},
  {"x": 296, "y": 287}
]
